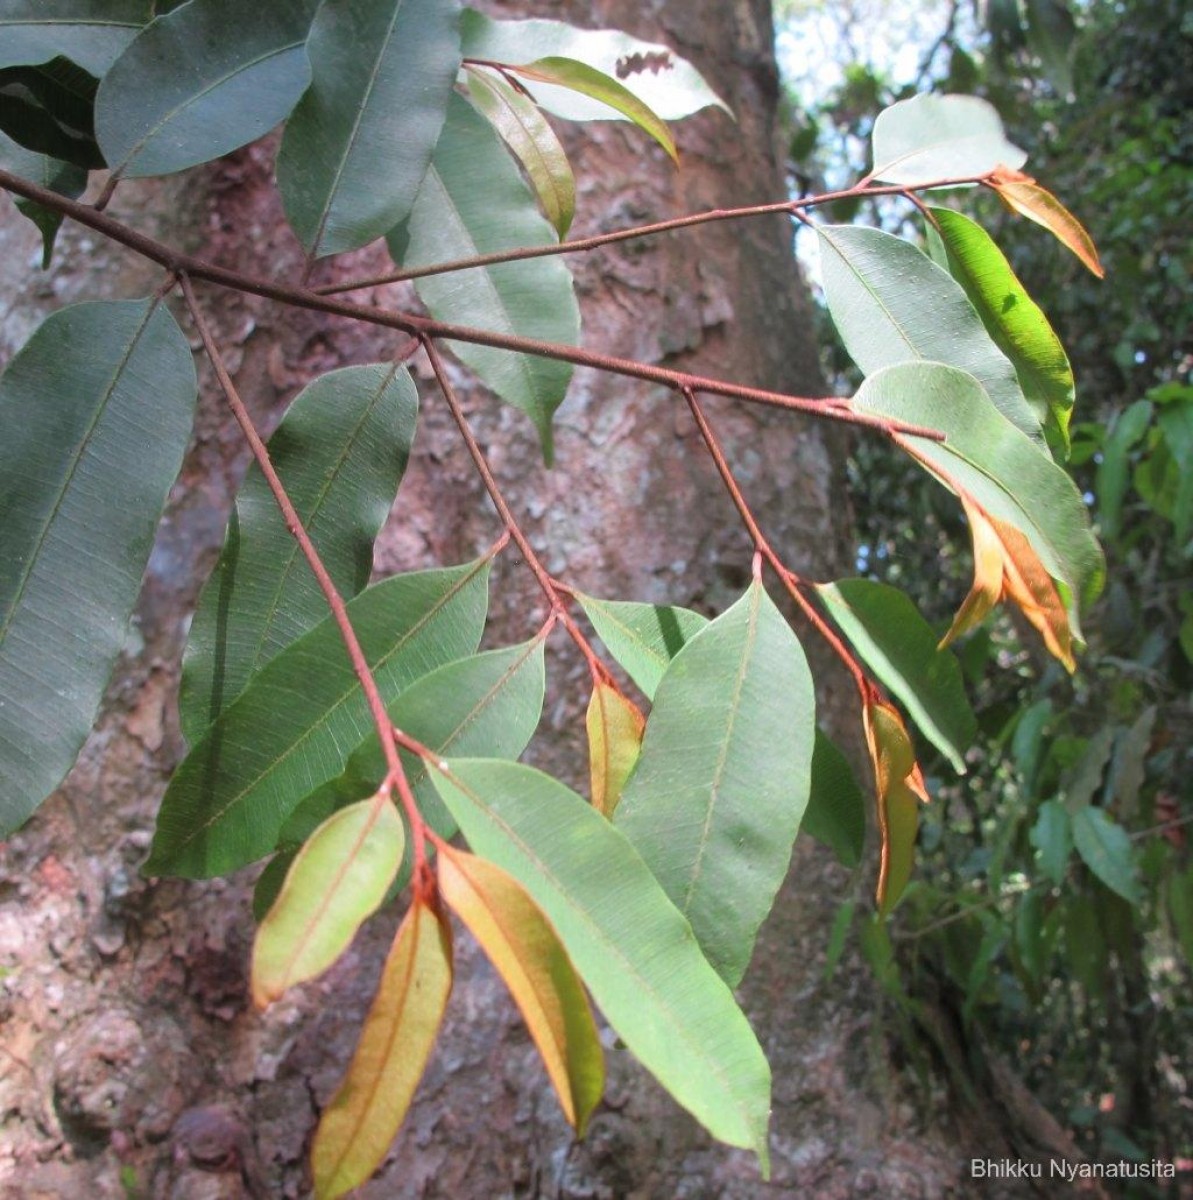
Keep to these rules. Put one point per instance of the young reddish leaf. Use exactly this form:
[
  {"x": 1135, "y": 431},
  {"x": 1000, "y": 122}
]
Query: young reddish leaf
[
  {"x": 900, "y": 787},
  {"x": 337, "y": 881},
  {"x": 615, "y": 728},
  {"x": 524, "y": 947},
  {"x": 529, "y": 135},
  {"x": 1023, "y": 195},
  {"x": 359, "y": 1124},
  {"x": 987, "y": 574},
  {"x": 588, "y": 81}
]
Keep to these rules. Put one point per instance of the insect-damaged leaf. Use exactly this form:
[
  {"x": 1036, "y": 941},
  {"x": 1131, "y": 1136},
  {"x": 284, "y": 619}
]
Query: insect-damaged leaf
[
  {"x": 453, "y": 218},
  {"x": 294, "y": 726},
  {"x": 615, "y": 726},
  {"x": 359, "y": 143},
  {"x": 630, "y": 944},
  {"x": 337, "y": 880},
  {"x": 520, "y": 943},
  {"x": 366, "y": 1112},
  {"x": 529, "y": 135},
  {"x": 718, "y": 794},
  {"x": 1023, "y": 195},
  {"x": 340, "y": 453},
  {"x": 98, "y": 404}
]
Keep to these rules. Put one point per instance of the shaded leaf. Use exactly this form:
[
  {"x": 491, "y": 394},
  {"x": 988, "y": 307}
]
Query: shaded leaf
[
  {"x": 631, "y": 946},
  {"x": 336, "y": 882},
  {"x": 643, "y": 638},
  {"x": 842, "y": 923},
  {"x": 1052, "y": 837},
  {"x": 529, "y": 135},
  {"x": 269, "y": 882},
  {"x": 534, "y": 298},
  {"x": 615, "y": 727},
  {"x": 151, "y": 118},
  {"x": 930, "y": 138},
  {"x": 898, "y": 645},
  {"x": 1050, "y": 34},
  {"x": 1023, "y": 195},
  {"x": 359, "y": 1124},
  {"x": 659, "y": 77},
  {"x": 64, "y": 178},
  {"x": 836, "y": 812},
  {"x": 97, "y": 405},
  {"x": 1106, "y": 849},
  {"x": 92, "y": 33},
  {"x": 891, "y": 304},
  {"x": 49, "y": 110},
  {"x": 520, "y": 942},
  {"x": 294, "y": 726},
  {"x": 340, "y": 453},
  {"x": 985, "y": 456},
  {"x": 359, "y": 143},
  {"x": 717, "y": 798},
  {"x": 1015, "y": 322},
  {"x": 1113, "y": 472},
  {"x": 1128, "y": 767},
  {"x": 588, "y": 81}
]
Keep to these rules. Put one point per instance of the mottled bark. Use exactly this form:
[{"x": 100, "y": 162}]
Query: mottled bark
[{"x": 132, "y": 1064}]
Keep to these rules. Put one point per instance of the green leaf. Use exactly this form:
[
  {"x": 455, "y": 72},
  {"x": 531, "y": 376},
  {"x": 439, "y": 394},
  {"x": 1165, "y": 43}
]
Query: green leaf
[
  {"x": 453, "y": 218},
  {"x": 95, "y": 413},
  {"x": 359, "y": 143},
  {"x": 987, "y": 456},
  {"x": 336, "y": 882},
  {"x": 1052, "y": 837},
  {"x": 50, "y": 110},
  {"x": 899, "y": 646},
  {"x": 64, "y": 178},
  {"x": 529, "y": 135},
  {"x": 340, "y": 453},
  {"x": 367, "y": 1110},
  {"x": 520, "y": 943},
  {"x": 892, "y": 304},
  {"x": 578, "y": 77},
  {"x": 631, "y": 946},
  {"x": 269, "y": 882},
  {"x": 668, "y": 84},
  {"x": 487, "y": 705},
  {"x": 245, "y": 68},
  {"x": 643, "y": 638},
  {"x": 92, "y": 33},
  {"x": 930, "y": 138},
  {"x": 836, "y": 812},
  {"x": 1113, "y": 471},
  {"x": 1050, "y": 35},
  {"x": 1106, "y": 849},
  {"x": 1015, "y": 322},
  {"x": 294, "y": 726},
  {"x": 718, "y": 794}
]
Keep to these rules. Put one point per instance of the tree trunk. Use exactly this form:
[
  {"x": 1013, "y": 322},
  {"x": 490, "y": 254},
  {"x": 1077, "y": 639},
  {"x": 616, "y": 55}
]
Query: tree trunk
[{"x": 132, "y": 1065}]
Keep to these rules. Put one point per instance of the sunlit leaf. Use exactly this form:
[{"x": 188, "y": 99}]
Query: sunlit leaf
[
  {"x": 453, "y": 218},
  {"x": 529, "y": 135},
  {"x": 64, "y": 178},
  {"x": 92, "y": 33},
  {"x": 521, "y": 944},
  {"x": 96, "y": 407},
  {"x": 630, "y": 944},
  {"x": 335, "y": 883},
  {"x": 891, "y": 304},
  {"x": 292, "y": 729},
  {"x": 836, "y": 808},
  {"x": 643, "y": 638},
  {"x": 152, "y": 118},
  {"x": 930, "y": 138},
  {"x": 1106, "y": 849},
  {"x": 615, "y": 727},
  {"x": 718, "y": 794},
  {"x": 660, "y": 78},
  {"x": 1015, "y": 322},
  {"x": 898, "y": 645},
  {"x": 578, "y": 77},
  {"x": 359, "y": 143},
  {"x": 359, "y": 1124},
  {"x": 1022, "y": 194},
  {"x": 340, "y": 453}
]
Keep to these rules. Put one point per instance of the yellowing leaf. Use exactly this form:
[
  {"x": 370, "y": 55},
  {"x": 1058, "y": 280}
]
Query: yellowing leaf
[
  {"x": 900, "y": 787},
  {"x": 359, "y": 1124},
  {"x": 526, "y": 951},
  {"x": 615, "y": 728},
  {"x": 987, "y": 574},
  {"x": 336, "y": 881},
  {"x": 1023, "y": 195}
]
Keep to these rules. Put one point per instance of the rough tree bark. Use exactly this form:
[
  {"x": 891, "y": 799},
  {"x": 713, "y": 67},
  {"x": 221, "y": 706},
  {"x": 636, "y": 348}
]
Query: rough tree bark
[{"x": 131, "y": 1063}]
